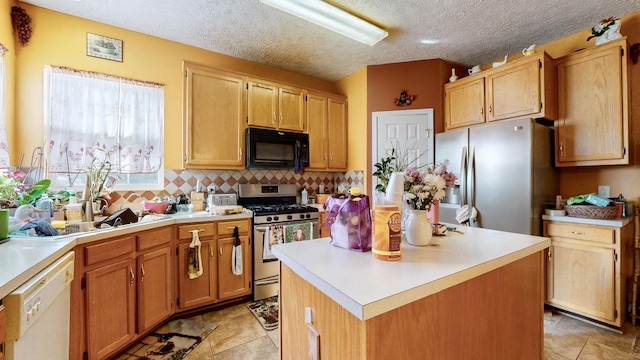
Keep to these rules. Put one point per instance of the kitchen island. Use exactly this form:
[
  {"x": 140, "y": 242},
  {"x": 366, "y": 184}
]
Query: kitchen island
[{"x": 477, "y": 295}]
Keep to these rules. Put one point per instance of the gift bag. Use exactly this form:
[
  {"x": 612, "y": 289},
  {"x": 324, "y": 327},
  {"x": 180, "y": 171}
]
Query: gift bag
[{"x": 349, "y": 222}]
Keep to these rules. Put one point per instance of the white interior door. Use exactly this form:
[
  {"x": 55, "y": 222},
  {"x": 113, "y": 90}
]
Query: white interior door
[{"x": 408, "y": 131}]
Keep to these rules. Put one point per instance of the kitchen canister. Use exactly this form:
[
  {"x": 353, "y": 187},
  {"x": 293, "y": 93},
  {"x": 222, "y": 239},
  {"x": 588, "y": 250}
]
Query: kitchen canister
[
  {"x": 387, "y": 234},
  {"x": 4, "y": 224}
]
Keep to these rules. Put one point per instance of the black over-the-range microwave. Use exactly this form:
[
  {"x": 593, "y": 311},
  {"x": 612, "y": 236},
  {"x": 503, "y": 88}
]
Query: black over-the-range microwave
[{"x": 275, "y": 149}]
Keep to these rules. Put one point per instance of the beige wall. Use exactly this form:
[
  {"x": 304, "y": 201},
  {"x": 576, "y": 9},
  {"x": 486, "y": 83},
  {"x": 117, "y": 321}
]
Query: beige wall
[{"x": 60, "y": 40}]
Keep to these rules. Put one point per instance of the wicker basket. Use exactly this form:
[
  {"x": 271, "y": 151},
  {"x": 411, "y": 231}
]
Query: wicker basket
[{"x": 591, "y": 211}]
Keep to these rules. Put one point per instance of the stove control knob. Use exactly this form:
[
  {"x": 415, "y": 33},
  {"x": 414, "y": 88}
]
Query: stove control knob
[
  {"x": 301, "y": 216},
  {"x": 269, "y": 218},
  {"x": 276, "y": 218},
  {"x": 289, "y": 217},
  {"x": 308, "y": 216}
]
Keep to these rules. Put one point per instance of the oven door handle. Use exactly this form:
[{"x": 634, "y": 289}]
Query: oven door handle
[{"x": 261, "y": 229}]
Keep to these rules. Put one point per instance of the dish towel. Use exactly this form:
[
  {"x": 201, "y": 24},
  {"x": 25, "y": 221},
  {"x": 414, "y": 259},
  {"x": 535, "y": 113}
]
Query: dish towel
[
  {"x": 272, "y": 236},
  {"x": 298, "y": 232},
  {"x": 195, "y": 256},
  {"x": 236, "y": 254},
  {"x": 464, "y": 217}
]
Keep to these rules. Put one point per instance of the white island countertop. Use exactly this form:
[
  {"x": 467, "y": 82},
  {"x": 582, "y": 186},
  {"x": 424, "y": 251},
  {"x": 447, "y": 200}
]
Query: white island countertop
[{"x": 368, "y": 287}]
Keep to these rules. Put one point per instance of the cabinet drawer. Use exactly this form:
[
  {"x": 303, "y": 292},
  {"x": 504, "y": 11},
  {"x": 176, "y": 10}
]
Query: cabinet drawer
[
  {"x": 153, "y": 238},
  {"x": 580, "y": 232},
  {"x": 108, "y": 250},
  {"x": 226, "y": 227},
  {"x": 206, "y": 229}
]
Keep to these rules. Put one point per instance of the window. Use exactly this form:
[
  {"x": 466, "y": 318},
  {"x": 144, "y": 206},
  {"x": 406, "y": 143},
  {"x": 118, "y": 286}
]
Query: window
[
  {"x": 90, "y": 115},
  {"x": 4, "y": 147}
]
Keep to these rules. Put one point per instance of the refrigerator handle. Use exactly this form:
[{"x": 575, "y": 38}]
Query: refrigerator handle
[
  {"x": 472, "y": 183},
  {"x": 463, "y": 177}
]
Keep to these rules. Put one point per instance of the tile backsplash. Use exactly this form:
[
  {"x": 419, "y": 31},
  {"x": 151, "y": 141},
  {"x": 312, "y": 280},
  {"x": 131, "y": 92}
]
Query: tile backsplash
[{"x": 226, "y": 181}]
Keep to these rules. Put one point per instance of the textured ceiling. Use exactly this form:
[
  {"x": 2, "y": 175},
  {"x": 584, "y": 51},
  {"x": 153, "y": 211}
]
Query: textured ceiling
[{"x": 468, "y": 32}]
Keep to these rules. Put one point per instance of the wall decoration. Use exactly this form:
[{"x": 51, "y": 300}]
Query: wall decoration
[
  {"x": 104, "y": 47},
  {"x": 608, "y": 29},
  {"x": 21, "y": 24},
  {"x": 404, "y": 99}
]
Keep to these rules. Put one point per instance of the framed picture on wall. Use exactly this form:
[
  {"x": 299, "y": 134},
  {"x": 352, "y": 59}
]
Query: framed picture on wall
[{"x": 104, "y": 47}]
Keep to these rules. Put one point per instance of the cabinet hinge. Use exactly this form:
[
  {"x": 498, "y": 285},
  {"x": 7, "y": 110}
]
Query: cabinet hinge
[
  {"x": 615, "y": 256},
  {"x": 622, "y": 52},
  {"x": 615, "y": 314},
  {"x": 177, "y": 251},
  {"x": 247, "y": 85},
  {"x": 178, "y": 302},
  {"x": 540, "y": 106},
  {"x": 83, "y": 283},
  {"x": 540, "y": 63},
  {"x": 184, "y": 157},
  {"x": 624, "y": 151},
  {"x": 246, "y": 119}
]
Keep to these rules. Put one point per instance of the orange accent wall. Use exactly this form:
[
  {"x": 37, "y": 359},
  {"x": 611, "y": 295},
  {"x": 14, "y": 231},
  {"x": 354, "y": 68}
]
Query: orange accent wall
[
  {"x": 60, "y": 39},
  {"x": 425, "y": 79}
]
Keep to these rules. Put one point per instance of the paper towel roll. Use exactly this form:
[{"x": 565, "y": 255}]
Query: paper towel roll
[{"x": 4, "y": 223}]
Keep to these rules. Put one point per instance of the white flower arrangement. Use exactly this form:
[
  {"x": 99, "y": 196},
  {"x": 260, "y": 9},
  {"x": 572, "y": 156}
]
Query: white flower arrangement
[{"x": 423, "y": 188}]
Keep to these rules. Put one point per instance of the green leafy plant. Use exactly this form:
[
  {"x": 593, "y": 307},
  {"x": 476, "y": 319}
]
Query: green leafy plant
[{"x": 13, "y": 191}]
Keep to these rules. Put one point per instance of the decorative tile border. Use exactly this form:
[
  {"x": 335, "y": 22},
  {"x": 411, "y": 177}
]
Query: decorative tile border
[{"x": 178, "y": 182}]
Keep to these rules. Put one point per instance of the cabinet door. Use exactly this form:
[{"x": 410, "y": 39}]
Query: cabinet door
[
  {"x": 581, "y": 279},
  {"x": 291, "y": 107},
  {"x": 154, "y": 288},
  {"x": 323, "y": 231},
  {"x": 262, "y": 104},
  {"x": 110, "y": 307},
  {"x": 214, "y": 100},
  {"x": 514, "y": 92},
  {"x": 201, "y": 290},
  {"x": 592, "y": 126},
  {"x": 317, "y": 125},
  {"x": 464, "y": 103},
  {"x": 230, "y": 285},
  {"x": 337, "y": 134}
]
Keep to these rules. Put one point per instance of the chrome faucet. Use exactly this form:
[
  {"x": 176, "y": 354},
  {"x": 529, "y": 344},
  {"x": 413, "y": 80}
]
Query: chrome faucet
[{"x": 127, "y": 199}]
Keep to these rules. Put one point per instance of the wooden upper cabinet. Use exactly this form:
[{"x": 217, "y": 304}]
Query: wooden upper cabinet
[
  {"x": 213, "y": 100},
  {"x": 593, "y": 106},
  {"x": 464, "y": 102},
  {"x": 317, "y": 115},
  {"x": 525, "y": 87},
  {"x": 275, "y": 106},
  {"x": 337, "y": 134}
]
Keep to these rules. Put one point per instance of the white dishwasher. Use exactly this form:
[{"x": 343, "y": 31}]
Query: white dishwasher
[{"x": 38, "y": 314}]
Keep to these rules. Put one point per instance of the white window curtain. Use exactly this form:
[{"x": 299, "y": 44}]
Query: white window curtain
[
  {"x": 93, "y": 114},
  {"x": 4, "y": 145}
]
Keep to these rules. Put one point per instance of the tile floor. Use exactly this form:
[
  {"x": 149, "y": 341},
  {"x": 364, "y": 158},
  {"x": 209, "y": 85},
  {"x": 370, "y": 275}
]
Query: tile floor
[{"x": 239, "y": 336}]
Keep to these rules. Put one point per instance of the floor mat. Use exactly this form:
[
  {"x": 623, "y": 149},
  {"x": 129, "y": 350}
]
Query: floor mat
[
  {"x": 266, "y": 311},
  {"x": 173, "y": 341}
]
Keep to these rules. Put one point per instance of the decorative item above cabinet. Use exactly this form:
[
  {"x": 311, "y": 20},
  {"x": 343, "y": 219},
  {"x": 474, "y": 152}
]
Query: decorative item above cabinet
[
  {"x": 523, "y": 88},
  {"x": 593, "y": 106}
]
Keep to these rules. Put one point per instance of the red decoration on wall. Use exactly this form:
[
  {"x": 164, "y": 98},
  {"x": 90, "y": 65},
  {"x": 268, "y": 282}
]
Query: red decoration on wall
[{"x": 404, "y": 99}]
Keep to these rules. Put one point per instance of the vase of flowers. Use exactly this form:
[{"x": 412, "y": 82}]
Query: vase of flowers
[{"x": 423, "y": 189}]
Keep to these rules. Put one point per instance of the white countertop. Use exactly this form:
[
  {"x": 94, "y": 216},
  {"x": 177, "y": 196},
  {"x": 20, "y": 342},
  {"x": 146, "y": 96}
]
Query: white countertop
[
  {"x": 368, "y": 287},
  {"x": 23, "y": 257},
  {"x": 618, "y": 222}
]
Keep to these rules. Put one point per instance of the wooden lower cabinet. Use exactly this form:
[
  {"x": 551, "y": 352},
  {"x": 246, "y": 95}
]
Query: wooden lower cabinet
[
  {"x": 217, "y": 281},
  {"x": 125, "y": 289},
  {"x": 587, "y": 270},
  {"x": 3, "y": 330},
  {"x": 323, "y": 231}
]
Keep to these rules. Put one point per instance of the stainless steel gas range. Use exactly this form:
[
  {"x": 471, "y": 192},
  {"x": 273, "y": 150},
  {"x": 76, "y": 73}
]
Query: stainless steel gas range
[{"x": 272, "y": 205}]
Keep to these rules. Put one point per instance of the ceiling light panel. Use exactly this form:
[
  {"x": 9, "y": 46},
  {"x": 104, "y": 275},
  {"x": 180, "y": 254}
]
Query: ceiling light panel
[{"x": 330, "y": 17}]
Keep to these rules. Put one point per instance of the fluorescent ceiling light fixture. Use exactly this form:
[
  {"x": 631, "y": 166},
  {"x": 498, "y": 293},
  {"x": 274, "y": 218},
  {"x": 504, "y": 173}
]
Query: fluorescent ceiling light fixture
[
  {"x": 332, "y": 18},
  {"x": 429, "y": 42}
]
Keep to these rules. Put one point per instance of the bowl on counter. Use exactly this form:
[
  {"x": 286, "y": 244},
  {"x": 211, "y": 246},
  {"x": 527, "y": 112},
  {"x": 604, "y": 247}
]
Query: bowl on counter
[
  {"x": 184, "y": 208},
  {"x": 321, "y": 198},
  {"x": 157, "y": 207}
]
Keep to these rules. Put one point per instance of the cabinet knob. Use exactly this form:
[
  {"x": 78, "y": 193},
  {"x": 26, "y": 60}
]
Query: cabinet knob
[{"x": 132, "y": 275}]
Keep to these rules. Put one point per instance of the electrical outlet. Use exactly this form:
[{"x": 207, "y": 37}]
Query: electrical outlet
[
  {"x": 604, "y": 191},
  {"x": 211, "y": 188}
]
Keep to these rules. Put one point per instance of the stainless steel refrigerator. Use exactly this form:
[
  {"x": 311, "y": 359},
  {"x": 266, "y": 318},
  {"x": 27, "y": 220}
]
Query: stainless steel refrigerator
[{"x": 505, "y": 171}]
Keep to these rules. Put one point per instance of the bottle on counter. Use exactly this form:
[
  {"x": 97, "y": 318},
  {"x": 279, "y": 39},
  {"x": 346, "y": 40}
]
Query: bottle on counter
[
  {"x": 73, "y": 209},
  {"x": 46, "y": 205},
  {"x": 304, "y": 196}
]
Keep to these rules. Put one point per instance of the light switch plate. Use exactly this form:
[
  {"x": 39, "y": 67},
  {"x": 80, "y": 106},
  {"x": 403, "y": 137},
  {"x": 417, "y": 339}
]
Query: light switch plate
[{"x": 604, "y": 191}]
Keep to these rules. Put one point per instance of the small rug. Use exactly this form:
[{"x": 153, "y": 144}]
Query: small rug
[
  {"x": 173, "y": 341},
  {"x": 266, "y": 311}
]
